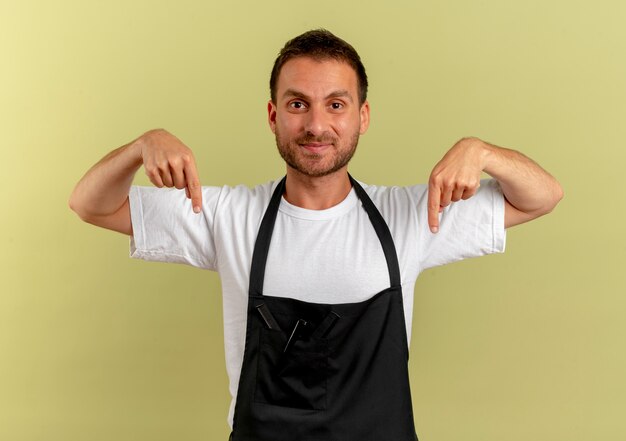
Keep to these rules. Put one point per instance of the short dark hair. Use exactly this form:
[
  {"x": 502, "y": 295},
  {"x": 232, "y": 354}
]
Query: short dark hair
[{"x": 320, "y": 44}]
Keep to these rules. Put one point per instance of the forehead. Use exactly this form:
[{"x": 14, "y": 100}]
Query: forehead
[{"x": 316, "y": 77}]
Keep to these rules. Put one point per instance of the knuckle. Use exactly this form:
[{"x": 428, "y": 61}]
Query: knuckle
[
  {"x": 187, "y": 158},
  {"x": 469, "y": 193},
  {"x": 462, "y": 185},
  {"x": 175, "y": 161},
  {"x": 470, "y": 182},
  {"x": 162, "y": 164},
  {"x": 435, "y": 178},
  {"x": 449, "y": 182},
  {"x": 439, "y": 180},
  {"x": 151, "y": 172}
]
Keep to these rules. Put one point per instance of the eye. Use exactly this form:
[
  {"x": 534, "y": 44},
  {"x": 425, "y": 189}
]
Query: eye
[
  {"x": 297, "y": 105},
  {"x": 336, "y": 106}
]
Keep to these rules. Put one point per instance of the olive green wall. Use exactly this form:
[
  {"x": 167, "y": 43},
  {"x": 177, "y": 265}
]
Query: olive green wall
[{"x": 96, "y": 346}]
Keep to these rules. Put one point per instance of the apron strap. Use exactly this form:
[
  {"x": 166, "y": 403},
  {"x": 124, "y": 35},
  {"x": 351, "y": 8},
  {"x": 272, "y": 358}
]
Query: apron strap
[
  {"x": 264, "y": 237},
  {"x": 382, "y": 231},
  {"x": 262, "y": 245}
]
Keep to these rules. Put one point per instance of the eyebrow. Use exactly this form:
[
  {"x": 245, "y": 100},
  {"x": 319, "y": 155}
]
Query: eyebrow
[{"x": 341, "y": 93}]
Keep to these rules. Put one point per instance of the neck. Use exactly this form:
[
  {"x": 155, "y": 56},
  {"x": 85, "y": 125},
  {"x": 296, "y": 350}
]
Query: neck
[{"x": 316, "y": 193}]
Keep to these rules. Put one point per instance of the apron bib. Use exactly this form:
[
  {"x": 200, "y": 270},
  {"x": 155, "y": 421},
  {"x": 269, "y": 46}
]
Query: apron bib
[{"x": 324, "y": 372}]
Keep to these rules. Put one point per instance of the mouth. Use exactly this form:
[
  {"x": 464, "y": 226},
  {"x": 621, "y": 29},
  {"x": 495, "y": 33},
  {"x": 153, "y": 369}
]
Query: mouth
[{"x": 316, "y": 147}]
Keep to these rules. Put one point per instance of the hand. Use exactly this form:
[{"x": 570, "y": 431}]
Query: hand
[
  {"x": 455, "y": 177},
  {"x": 170, "y": 163}
]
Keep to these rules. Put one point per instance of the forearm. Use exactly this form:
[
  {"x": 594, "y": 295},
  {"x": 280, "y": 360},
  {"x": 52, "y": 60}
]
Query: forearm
[
  {"x": 526, "y": 185},
  {"x": 104, "y": 188}
]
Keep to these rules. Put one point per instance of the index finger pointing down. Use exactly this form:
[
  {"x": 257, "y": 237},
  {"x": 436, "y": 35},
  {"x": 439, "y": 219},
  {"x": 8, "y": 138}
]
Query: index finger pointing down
[
  {"x": 434, "y": 202},
  {"x": 193, "y": 186}
]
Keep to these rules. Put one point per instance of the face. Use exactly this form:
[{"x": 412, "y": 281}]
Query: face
[{"x": 317, "y": 118}]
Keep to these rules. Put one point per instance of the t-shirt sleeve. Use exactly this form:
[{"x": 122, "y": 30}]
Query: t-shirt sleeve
[
  {"x": 165, "y": 228},
  {"x": 467, "y": 228}
]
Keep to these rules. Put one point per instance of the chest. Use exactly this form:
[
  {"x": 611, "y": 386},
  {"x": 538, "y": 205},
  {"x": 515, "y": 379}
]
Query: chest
[{"x": 330, "y": 261}]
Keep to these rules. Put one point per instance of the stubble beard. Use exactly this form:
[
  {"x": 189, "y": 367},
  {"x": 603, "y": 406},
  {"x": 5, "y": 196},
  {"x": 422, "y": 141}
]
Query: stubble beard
[{"x": 307, "y": 163}]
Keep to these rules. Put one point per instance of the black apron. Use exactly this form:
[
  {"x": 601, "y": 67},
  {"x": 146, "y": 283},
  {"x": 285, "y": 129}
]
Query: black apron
[{"x": 324, "y": 372}]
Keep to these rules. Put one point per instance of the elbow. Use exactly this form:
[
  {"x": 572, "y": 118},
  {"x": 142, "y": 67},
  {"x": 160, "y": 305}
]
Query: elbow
[
  {"x": 76, "y": 209},
  {"x": 75, "y": 205},
  {"x": 553, "y": 197},
  {"x": 71, "y": 202},
  {"x": 557, "y": 194}
]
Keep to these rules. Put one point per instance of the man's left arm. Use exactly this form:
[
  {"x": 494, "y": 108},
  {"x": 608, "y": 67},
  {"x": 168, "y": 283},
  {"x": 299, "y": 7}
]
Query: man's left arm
[{"x": 528, "y": 189}]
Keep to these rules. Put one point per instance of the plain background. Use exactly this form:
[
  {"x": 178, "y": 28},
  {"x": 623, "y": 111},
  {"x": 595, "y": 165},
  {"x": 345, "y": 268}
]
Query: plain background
[{"x": 96, "y": 346}]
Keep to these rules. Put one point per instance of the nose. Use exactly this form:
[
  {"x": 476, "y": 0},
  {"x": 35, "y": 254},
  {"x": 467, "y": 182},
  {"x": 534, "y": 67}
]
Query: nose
[{"x": 316, "y": 122}]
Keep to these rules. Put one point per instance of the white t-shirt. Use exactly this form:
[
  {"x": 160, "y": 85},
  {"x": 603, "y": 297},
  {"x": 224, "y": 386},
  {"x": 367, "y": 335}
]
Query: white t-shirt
[{"x": 320, "y": 256}]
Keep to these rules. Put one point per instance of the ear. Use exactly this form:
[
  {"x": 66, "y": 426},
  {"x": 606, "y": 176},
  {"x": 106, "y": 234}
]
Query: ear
[
  {"x": 271, "y": 115},
  {"x": 365, "y": 117}
]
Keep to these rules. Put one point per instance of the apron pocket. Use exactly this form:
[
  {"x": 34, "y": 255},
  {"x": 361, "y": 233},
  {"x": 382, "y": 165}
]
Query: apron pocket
[{"x": 295, "y": 379}]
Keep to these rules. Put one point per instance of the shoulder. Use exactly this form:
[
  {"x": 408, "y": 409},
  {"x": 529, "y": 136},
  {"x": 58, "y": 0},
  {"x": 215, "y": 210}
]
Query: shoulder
[
  {"x": 242, "y": 206},
  {"x": 247, "y": 197},
  {"x": 399, "y": 206},
  {"x": 396, "y": 196}
]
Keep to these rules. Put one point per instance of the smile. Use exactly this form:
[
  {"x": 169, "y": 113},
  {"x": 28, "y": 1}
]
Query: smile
[{"x": 315, "y": 147}]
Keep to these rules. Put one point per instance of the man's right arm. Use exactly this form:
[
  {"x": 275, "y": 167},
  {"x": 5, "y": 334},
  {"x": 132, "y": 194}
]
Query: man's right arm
[{"x": 101, "y": 196}]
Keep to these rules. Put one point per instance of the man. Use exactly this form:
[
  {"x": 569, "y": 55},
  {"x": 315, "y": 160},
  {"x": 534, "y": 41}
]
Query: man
[{"x": 317, "y": 270}]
